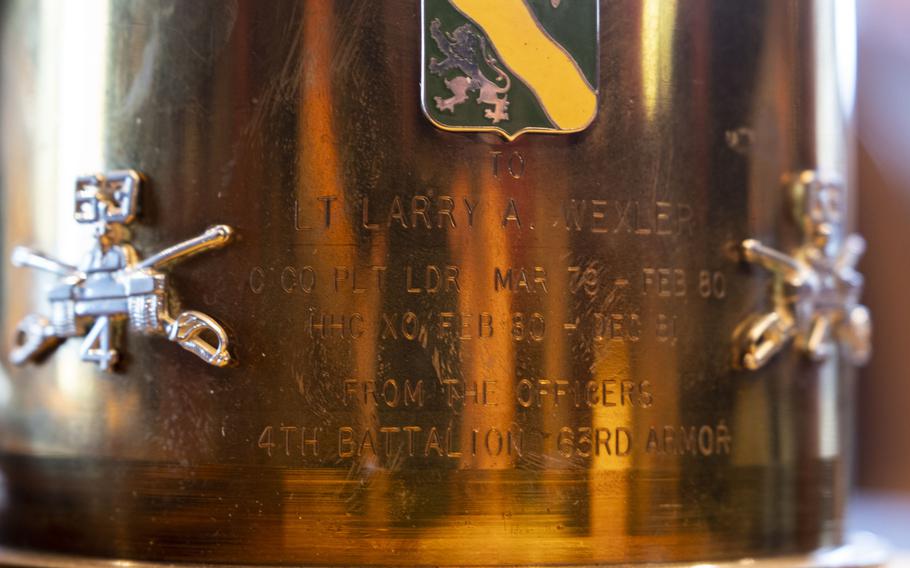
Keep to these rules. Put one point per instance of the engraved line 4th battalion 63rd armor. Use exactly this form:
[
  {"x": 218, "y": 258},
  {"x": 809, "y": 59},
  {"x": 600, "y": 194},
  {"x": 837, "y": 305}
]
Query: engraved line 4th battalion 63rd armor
[
  {"x": 818, "y": 288},
  {"x": 112, "y": 284}
]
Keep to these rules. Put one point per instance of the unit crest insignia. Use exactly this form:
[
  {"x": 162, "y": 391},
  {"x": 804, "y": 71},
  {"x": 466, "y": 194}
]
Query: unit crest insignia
[
  {"x": 817, "y": 290},
  {"x": 527, "y": 65},
  {"x": 112, "y": 285}
]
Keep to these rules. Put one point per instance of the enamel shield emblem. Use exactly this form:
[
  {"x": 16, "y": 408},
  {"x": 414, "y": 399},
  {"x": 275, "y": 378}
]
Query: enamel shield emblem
[{"x": 510, "y": 66}]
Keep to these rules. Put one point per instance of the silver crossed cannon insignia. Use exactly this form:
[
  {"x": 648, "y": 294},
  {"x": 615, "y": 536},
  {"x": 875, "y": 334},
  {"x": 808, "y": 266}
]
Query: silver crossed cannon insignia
[
  {"x": 817, "y": 289},
  {"x": 113, "y": 285}
]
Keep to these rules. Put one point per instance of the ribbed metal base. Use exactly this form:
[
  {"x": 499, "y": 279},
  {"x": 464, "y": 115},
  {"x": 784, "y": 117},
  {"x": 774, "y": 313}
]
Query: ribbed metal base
[{"x": 863, "y": 550}]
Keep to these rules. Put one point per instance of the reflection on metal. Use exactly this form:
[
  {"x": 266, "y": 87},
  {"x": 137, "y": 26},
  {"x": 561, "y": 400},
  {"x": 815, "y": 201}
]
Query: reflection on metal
[
  {"x": 112, "y": 284},
  {"x": 658, "y": 24},
  {"x": 817, "y": 296}
]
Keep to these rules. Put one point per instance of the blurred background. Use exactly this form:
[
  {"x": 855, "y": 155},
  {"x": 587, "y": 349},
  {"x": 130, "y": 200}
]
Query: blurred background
[{"x": 882, "y": 498}]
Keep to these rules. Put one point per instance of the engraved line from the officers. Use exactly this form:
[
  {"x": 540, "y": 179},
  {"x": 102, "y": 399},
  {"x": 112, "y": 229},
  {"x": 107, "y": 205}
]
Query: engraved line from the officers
[{"x": 113, "y": 284}]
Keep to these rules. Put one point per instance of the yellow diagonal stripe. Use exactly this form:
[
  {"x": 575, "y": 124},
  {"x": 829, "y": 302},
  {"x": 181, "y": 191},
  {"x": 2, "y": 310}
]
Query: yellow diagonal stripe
[{"x": 541, "y": 63}]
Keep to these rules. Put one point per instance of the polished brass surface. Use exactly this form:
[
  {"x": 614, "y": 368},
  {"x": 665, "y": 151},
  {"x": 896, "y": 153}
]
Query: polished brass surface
[{"x": 398, "y": 396}]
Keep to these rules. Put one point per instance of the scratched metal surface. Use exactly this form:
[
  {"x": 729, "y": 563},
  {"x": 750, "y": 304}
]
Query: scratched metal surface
[{"x": 280, "y": 118}]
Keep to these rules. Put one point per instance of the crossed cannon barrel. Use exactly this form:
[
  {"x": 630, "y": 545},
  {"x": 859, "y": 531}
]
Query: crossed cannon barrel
[{"x": 137, "y": 292}]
